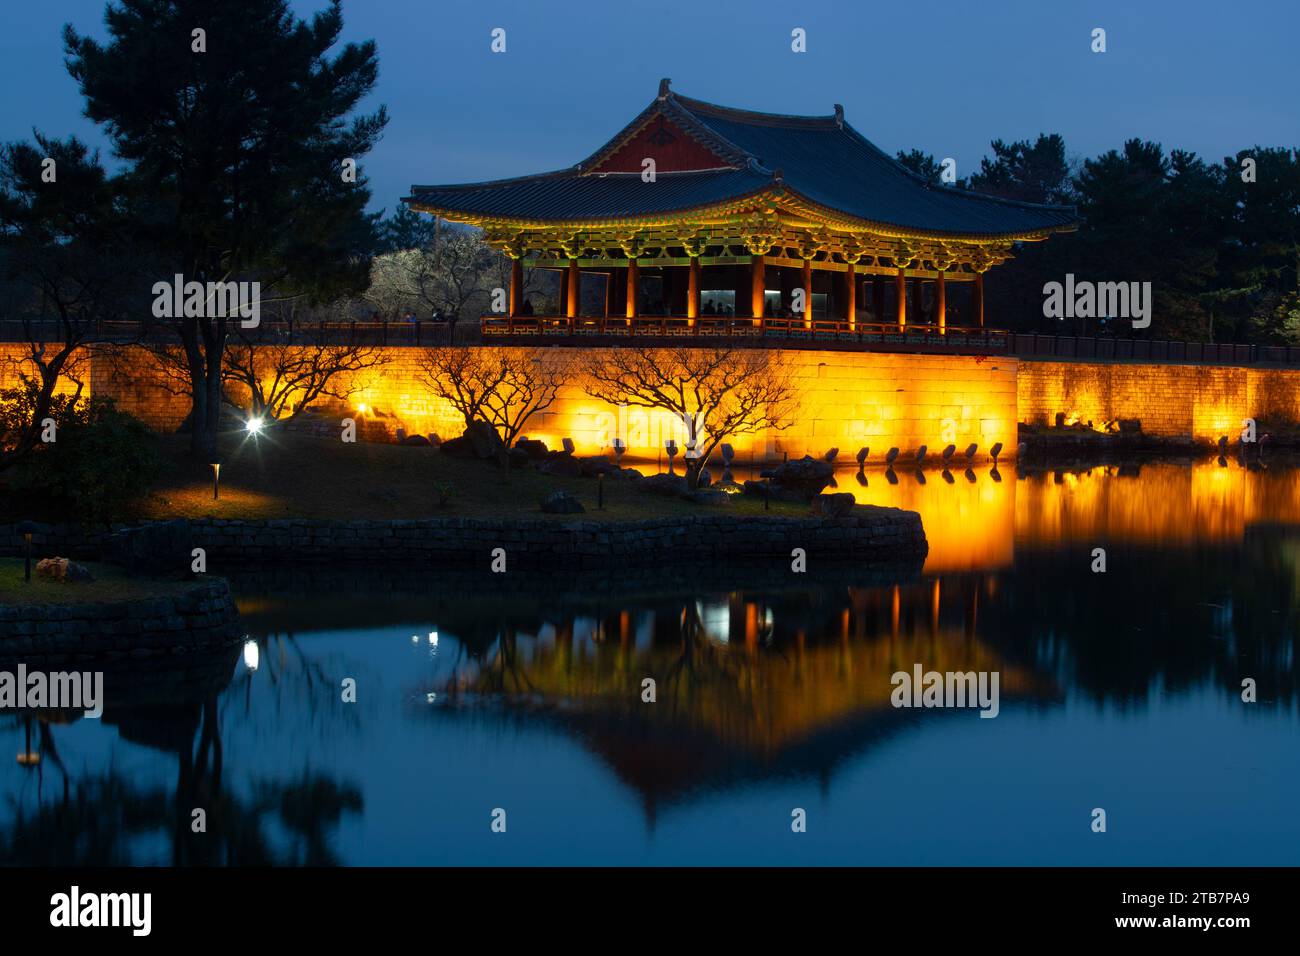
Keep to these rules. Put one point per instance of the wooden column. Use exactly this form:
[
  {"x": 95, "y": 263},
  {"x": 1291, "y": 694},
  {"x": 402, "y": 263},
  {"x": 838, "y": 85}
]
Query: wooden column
[
  {"x": 575, "y": 287},
  {"x": 693, "y": 291},
  {"x": 851, "y": 298},
  {"x": 979, "y": 298},
  {"x": 878, "y": 298},
  {"x": 516, "y": 286},
  {"x": 633, "y": 282},
  {"x": 757, "y": 285},
  {"x": 807, "y": 293},
  {"x": 940, "y": 304},
  {"x": 900, "y": 287}
]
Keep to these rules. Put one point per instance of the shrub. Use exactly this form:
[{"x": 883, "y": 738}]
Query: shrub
[{"x": 98, "y": 464}]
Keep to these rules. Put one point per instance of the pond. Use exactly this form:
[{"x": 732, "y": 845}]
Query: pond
[{"x": 1119, "y": 689}]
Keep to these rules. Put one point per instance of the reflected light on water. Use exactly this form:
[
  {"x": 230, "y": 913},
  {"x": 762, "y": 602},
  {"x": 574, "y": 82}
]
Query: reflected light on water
[{"x": 976, "y": 524}]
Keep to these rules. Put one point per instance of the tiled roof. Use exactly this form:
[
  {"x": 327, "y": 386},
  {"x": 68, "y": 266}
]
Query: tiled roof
[{"x": 819, "y": 158}]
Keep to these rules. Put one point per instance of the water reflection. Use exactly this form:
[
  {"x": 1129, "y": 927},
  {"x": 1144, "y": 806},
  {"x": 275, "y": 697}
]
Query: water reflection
[
  {"x": 772, "y": 691},
  {"x": 976, "y": 524}
]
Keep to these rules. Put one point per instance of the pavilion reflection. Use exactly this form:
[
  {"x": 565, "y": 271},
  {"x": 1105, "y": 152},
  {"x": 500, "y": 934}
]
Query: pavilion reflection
[{"x": 748, "y": 685}]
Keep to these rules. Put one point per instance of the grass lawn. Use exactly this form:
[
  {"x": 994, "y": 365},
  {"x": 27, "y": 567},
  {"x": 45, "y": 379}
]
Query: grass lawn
[
  {"x": 110, "y": 584},
  {"x": 282, "y": 475}
]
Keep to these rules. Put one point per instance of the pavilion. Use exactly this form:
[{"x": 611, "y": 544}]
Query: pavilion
[{"x": 704, "y": 219}]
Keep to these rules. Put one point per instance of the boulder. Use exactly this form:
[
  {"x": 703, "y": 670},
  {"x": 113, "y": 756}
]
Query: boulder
[
  {"x": 805, "y": 476},
  {"x": 534, "y": 448},
  {"x": 484, "y": 440},
  {"x": 666, "y": 484},
  {"x": 833, "y": 506},
  {"x": 562, "y": 503},
  {"x": 62, "y": 569},
  {"x": 562, "y": 466},
  {"x": 416, "y": 440},
  {"x": 596, "y": 465}
]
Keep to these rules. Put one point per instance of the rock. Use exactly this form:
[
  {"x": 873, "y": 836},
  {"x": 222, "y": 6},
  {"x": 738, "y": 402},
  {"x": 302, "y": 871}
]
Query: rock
[
  {"x": 534, "y": 448},
  {"x": 52, "y": 569},
  {"x": 596, "y": 465},
  {"x": 158, "y": 548},
  {"x": 63, "y": 569},
  {"x": 562, "y": 503},
  {"x": 666, "y": 484},
  {"x": 484, "y": 440},
  {"x": 562, "y": 466},
  {"x": 805, "y": 476},
  {"x": 833, "y": 506},
  {"x": 416, "y": 440}
]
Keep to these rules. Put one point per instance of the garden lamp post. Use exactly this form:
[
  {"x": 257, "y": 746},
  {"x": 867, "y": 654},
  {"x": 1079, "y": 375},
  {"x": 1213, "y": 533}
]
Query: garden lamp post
[
  {"x": 27, "y": 529},
  {"x": 216, "y": 480}
]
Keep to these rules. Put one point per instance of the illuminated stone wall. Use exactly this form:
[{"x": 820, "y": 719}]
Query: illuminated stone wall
[
  {"x": 1172, "y": 401},
  {"x": 846, "y": 400}
]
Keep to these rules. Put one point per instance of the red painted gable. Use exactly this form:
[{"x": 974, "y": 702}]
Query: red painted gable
[{"x": 671, "y": 149}]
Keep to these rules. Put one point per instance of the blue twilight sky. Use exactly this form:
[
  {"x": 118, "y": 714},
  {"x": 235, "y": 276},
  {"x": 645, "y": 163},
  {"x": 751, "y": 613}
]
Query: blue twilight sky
[{"x": 945, "y": 76}]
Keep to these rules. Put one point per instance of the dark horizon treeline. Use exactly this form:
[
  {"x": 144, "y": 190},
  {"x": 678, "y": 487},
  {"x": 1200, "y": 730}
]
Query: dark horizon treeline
[{"x": 1219, "y": 242}]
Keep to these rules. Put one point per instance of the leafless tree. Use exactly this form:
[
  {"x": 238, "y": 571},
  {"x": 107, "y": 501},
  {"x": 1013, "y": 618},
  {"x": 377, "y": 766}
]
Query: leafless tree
[
  {"x": 452, "y": 276},
  {"x": 716, "y": 393},
  {"x": 285, "y": 376},
  {"x": 504, "y": 387}
]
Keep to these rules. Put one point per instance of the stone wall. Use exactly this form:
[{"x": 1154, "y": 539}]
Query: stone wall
[
  {"x": 847, "y": 399},
  {"x": 1171, "y": 401},
  {"x": 202, "y": 617},
  {"x": 869, "y": 534}
]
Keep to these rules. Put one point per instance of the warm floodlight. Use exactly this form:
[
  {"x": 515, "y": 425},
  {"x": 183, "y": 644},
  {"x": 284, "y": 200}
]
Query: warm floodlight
[
  {"x": 216, "y": 480},
  {"x": 254, "y": 426}
]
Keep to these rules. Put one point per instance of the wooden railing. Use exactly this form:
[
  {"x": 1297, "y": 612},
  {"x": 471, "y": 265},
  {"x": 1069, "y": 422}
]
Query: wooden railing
[
  {"x": 823, "y": 333},
  {"x": 792, "y": 330}
]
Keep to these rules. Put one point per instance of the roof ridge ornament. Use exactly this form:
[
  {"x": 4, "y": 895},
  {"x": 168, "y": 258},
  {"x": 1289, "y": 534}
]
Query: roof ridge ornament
[
  {"x": 665, "y": 88},
  {"x": 839, "y": 116}
]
